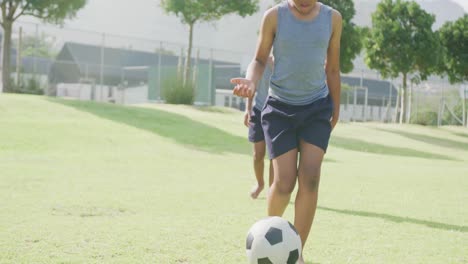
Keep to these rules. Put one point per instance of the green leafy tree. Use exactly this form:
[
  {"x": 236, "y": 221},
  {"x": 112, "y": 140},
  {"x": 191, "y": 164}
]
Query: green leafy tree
[
  {"x": 54, "y": 11},
  {"x": 402, "y": 43},
  {"x": 42, "y": 46},
  {"x": 191, "y": 12},
  {"x": 454, "y": 40},
  {"x": 350, "y": 37}
]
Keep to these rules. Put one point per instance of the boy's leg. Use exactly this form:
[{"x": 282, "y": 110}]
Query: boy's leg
[
  {"x": 258, "y": 160},
  {"x": 309, "y": 177},
  {"x": 279, "y": 125},
  {"x": 271, "y": 174},
  {"x": 285, "y": 171}
]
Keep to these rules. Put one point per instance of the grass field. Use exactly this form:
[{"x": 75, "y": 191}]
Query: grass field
[{"x": 98, "y": 183}]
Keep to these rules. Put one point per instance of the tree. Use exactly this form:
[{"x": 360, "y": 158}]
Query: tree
[
  {"x": 41, "y": 47},
  {"x": 192, "y": 11},
  {"x": 454, "y": 40},
  {"x": 402, "y": 43},
  {"x": 351, "y": 35},
  {"x": 48, "y": 10}
]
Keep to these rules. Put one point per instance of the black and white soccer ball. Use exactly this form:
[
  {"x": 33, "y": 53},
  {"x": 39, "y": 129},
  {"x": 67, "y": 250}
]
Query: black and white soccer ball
[{"x": 273, "y": 240}]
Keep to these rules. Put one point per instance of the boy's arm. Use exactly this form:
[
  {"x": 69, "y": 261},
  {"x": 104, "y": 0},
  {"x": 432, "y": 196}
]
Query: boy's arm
[
  {"x": 333, "y": 66},
  {"x": 245, "y": 87},
  {"x": 248, "y": 110}
]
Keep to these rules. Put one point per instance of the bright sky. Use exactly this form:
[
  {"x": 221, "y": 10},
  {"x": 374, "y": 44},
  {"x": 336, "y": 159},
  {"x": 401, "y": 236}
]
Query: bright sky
[{"x": 463, "y": 3}]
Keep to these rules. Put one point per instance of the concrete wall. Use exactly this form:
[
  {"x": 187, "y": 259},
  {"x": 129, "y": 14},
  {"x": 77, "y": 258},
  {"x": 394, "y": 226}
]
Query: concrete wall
[
  {"x": 90, "y": 92},
  {"x": 347, "y": 113}
]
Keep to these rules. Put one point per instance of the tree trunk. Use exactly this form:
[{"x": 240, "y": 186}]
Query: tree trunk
[
  {"x": 189, "y": 55},
  {"x": 395, "y": 117},
  {"x": 180, "y": 70},
  {"x": 465, "y": 117},
  {"x": 404, "y": 101},
  {"x": 400, "y": 103},
  {"x": 409, "y": 103},
  {"x": 6, "y": 56},
  {"x": 18, "y": 58}
]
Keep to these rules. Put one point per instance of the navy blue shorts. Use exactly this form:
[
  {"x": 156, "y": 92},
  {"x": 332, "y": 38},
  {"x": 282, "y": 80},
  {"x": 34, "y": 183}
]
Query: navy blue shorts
[
  {"x": 284, "y": 124},
  {"x": 255, "y": 126}
]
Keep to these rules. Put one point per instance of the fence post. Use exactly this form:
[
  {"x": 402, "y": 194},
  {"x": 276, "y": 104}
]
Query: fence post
[
  {"x": 465, "y": 123},
  {"x": 403, "y": 106},
  {"x": 441, "y": 112},
  {"x": 390, "y": 91},
  {"x": 464, "y": 102},
  {"x": 35, "y": 52},
  {"x": 101, "y": 68},
  {"x": 347, "y": 100},
  {"x": 212, "y": 94},
  {"x": 366, "y": 96},
  {"x": 159, "y": 69},
  {"x": 416, "y": 101},
  {"x": 1, "y": 56},
  {"x": 382, "y": 108},
  {"x": 364, "y": 104},
  {"x": 353, "y": 116}
]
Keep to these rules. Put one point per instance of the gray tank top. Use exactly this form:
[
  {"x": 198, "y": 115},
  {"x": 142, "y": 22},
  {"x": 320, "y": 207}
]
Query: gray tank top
[
  {"x": 300, "y": 49},
  {"x": 262, "y": 88}
]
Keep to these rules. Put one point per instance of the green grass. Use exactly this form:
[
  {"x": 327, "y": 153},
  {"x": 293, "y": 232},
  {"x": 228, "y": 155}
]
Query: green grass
[{"x": 97, "y": 183}]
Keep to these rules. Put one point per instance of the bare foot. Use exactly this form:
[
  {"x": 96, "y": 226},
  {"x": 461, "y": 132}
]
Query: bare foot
[
  {"x": 301, "y": 260},
  {"x": 256, "y": 190}
]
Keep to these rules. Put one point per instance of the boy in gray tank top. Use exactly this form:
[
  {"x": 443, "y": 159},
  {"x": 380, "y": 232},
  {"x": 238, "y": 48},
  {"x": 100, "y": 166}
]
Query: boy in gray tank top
[
  {"x": 304, "y": 102},
  {"x": 256, "y": 136}
]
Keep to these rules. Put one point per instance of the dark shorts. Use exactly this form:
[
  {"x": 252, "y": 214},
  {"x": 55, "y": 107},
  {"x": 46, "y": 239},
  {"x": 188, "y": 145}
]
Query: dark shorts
[
  {"x": 284, "y": 125},
  {"x": 255, "y": 126}
]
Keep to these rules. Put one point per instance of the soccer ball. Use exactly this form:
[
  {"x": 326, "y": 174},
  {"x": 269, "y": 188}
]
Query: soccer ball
[{"x": 273, "y": 240}]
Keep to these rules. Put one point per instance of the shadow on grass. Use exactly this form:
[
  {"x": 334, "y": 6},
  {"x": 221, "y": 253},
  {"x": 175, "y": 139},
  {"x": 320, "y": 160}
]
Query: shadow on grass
[
  {"x": 448, "y": 143},
  {"x": 364, "y": 146},
  {"x": 398, "y": 219},
  {"x": 392, "y": 218},
  {"x": 177, "y": 127},
  {"x": 203, "y": 137},
  {"x": 213, "y": 109},
  {"x": 460, "y": 134}
]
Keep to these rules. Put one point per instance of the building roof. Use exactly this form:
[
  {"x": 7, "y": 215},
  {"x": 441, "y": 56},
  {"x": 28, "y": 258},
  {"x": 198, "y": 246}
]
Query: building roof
[{"x": 77, "y": 60}]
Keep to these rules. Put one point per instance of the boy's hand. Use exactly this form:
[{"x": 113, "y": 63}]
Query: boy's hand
[
  {"x": 334, "y": 119},
  {"x": 243, "y": 88},
  {"x": 247, "y": 118}
]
